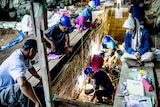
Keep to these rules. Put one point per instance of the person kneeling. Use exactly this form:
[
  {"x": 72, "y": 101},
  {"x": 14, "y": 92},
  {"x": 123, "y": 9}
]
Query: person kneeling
[{"x": 102, "y": 80}]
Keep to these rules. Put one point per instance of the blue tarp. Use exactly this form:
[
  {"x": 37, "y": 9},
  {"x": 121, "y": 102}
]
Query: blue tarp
[{"x": 19, "y": 38}]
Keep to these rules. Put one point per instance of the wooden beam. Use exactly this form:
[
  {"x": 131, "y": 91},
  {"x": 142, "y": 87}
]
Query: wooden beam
[
  {"x": 75, "y": 103},
  {"x": 39, "y": 19}
]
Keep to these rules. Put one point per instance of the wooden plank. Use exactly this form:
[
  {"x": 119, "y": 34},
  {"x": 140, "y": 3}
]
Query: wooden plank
[
  {"x": 60, "y": 102},
  {"x": 74, "y": 38},
  {"x": 36, "y": 65},
  {"x": 124, "y": 75},
  {"x": 40, "y": 26}
]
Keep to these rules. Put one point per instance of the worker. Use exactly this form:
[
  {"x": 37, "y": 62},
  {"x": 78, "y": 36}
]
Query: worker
[
  {"x": 108, "y": 42},
  {"x": 102, "y": 80},
  {"x": 84, "y": 20},
  {"x": 137, "y": 44},
  {"x": 14, "y": 87},
  {"x": 97, "y": 61},
  {"x": 57, "y": 36},
  {"x": 137, "y": 12}
]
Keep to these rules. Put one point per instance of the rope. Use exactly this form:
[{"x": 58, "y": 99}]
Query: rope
[
  {"x": 37, "y": 10},
  {"x": 39, "y": 6},
  {"x": 54, "y": 97}
]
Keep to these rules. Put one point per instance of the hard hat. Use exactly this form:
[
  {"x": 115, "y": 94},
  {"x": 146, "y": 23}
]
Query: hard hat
[
  {"x": 65, "y": 21},
  {"x": 129, "y": 23},
  {"x": 92, "y": 4},
  {"x": 106, "y": 39},
  {"x": 87, "y": 70}
]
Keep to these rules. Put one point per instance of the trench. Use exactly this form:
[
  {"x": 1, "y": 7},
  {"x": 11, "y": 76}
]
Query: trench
[{"x": 68, "y": 79}]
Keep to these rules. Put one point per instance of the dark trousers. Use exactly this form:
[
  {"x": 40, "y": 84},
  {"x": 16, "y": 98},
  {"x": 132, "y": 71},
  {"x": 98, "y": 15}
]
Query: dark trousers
[
  {"x": 13, "y": 97},
  {"x": 103, "y": 93}
]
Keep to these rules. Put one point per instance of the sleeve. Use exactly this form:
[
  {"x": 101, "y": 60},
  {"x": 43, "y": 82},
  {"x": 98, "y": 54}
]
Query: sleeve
[
  {"x": 17, "y": 70},
  {"x": 128, "y": 43},
  {"x": 146, "y": 43},
  {"x": 96, "y": 85},
  {"x": 89, "y": 14},
  {"x": 49, "y": 32}
]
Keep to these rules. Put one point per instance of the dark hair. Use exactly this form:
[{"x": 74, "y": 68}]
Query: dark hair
[
  {"x": 30, "y": 43},
  {"x": 91, "y": 72}
]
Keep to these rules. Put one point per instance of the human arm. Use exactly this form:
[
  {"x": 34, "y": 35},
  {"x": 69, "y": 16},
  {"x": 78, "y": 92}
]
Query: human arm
[
  {"x": 94, "y": 95},
  {"x": 67, "y": 38},
  {"x": 90, "y": 15},
  {"x": 145, "y": 42},
  {"x": 34, "y": 73},
  {"x": 53, "y": 47},
  {"x": 28, "y": 91},
  {"x": 127, "y": 41}
]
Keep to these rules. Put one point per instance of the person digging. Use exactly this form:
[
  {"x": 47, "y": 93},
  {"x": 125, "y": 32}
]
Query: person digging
[{"x": 102, "y": 86}]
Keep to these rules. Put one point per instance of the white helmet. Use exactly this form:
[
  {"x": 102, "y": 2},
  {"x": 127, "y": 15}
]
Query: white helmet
[
  {"x": 92, "y": 4},
  {"x": 129, "y": 23}
]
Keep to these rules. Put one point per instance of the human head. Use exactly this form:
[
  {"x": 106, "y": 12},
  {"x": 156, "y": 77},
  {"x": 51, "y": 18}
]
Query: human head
[
  {"x": 65, "y": 23},
  {"x": 89, "y": 72},
  {"x": 129, "y": 24},
  {"x": 102, "y": 53},
  {"x": 92, "y": 4},
  {"x": 30, "y": 48}
]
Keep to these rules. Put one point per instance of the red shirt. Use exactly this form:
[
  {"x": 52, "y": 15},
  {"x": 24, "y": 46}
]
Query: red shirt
[{"x": 97, "y": 62}]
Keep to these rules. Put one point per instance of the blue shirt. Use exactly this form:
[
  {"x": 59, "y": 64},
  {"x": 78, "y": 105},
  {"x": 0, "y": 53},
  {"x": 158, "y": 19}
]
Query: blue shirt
[
  {"x": 13, "y": 67},
  {"x": 144, "y": 44},
  {"x": 56, "y": 35},
  {"x": 87, "y": 13}
]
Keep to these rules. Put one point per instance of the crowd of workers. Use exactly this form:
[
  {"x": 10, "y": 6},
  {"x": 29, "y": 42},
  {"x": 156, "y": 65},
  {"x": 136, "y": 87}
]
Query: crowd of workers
[{"x": 16, "y": 90}]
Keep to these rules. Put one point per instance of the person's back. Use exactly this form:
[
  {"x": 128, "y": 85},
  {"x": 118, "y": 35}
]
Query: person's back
[
  {"x": 86, "y": 12},
  {"x": 138, "y": 12},
  {"x": 7, "y": 69},
  {"x": 97, "y": 62},
  {"x": 102, "y": 80}
]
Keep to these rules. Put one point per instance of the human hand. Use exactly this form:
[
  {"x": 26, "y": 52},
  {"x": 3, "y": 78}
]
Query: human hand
[
  {"x": 38, "y": 104},
  {"x": 53, "y": 47},
  {"x": 69, "y": 49},
  {"x": 137, "y": 54}
]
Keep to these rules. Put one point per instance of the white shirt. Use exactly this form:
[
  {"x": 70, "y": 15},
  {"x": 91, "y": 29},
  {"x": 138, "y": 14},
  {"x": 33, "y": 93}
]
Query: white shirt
[{"x": 13, "y": 67}]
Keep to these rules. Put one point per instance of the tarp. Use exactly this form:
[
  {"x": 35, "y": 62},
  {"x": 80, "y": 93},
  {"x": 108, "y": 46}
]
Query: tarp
[{"x": 19, "y": 38}]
